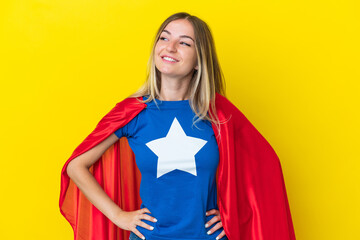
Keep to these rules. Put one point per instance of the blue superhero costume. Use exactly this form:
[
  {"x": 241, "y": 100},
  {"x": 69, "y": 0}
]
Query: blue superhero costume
[{"x": 178, "y": 163}]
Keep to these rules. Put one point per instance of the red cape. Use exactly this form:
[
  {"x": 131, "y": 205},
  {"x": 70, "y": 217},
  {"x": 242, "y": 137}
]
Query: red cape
[{"x": 252, "y": 198}]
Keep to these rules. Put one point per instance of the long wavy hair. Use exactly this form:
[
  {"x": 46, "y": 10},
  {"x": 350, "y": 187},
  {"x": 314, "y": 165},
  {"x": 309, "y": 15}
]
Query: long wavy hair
[{"x": 205, "y": 82}]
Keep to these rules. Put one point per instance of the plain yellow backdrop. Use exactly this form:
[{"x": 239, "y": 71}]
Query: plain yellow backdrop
[{"x": 292, "y": 67}]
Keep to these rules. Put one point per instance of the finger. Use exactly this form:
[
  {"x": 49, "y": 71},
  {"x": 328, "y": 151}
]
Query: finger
[
  {"x": 138, "y": 233},
  {"x": 222, "y": 234},
  {"x": 147, "y": 217},
  {"x": 144, "y": 225},
  {"x": 216, "y": 227},
  {"x": 211, "y": 212},
  {"x": 143, "y": 210},
  {"x": 212, "y": 221}
]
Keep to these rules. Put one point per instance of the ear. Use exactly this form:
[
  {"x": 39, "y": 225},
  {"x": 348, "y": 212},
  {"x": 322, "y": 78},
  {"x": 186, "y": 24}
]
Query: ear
[{"x": 197, "y": 67}]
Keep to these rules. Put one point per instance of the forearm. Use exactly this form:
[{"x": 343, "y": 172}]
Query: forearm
[{"x": 90, "y": 187}]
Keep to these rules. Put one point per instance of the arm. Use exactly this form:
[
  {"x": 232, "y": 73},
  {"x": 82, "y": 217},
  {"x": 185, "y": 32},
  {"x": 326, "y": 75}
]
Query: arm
[{"x": 78, "y": 171}]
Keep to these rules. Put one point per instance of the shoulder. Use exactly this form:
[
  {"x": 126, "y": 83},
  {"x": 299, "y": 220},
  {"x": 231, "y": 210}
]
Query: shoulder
[
  {"x": 124, "y": 110},
  {"x": 229, "y": 111},
  {"x": 130, "y": 102},
  {"x": 223, "y": 101},
  {"x": 225, "y": 106}
]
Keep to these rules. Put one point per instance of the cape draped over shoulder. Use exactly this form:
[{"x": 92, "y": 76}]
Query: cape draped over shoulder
[{"x": 252, "y": 197}]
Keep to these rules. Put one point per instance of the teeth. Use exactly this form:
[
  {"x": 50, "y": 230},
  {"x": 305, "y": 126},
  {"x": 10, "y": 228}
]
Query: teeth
[{"x": 169, "y": 59}]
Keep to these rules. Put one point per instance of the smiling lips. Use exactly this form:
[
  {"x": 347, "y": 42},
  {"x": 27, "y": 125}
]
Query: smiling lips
[{"x": 167, "y": 58}]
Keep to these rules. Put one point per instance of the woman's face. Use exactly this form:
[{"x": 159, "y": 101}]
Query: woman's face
[{"x": 177, "y": 42}]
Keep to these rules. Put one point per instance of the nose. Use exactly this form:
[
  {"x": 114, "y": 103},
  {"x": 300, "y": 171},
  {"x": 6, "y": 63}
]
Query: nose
[{"x": 171, "y": 46}]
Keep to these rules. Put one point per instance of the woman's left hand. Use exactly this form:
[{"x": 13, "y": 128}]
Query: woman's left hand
[{"x": 214, "y": 220}]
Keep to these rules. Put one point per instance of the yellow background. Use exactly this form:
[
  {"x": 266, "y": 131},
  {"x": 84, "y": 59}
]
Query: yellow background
[{"x": 292, "y": 67}]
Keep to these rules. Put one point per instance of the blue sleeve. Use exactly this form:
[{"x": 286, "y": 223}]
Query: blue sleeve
[
  {"x": 125, "y": 130},
  {"x": 121, "y": 132}
]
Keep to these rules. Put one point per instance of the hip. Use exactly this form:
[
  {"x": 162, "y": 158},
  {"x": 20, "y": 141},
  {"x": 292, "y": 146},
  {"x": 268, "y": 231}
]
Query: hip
[{"x": 133, "y": 236}]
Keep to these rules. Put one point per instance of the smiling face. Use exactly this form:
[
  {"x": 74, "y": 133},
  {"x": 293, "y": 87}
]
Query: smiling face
[{"x": 176, "y": 42}]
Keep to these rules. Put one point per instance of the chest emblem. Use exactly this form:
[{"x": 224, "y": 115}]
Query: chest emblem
[{"x": 176, "y": 150}]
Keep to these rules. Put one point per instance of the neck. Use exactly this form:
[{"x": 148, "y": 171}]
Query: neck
[{"x": 174, "y": 89}]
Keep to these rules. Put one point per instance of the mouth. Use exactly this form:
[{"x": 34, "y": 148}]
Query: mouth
[{"x": 167, "y": 58}]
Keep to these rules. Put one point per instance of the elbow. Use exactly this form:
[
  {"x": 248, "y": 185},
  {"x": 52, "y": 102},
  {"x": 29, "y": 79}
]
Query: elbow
[
  {"x": 74, "y": 167},
  {"x": 70, "y": 169}
]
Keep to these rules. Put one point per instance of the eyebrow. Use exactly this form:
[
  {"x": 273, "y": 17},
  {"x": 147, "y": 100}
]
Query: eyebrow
[{"x": 182, "y": 36}]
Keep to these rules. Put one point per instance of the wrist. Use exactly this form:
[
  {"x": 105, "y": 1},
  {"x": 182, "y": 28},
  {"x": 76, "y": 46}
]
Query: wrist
[{"x": 115, "y": 214}]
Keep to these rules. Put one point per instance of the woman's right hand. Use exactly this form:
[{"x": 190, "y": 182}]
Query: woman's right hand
[
  {"x": 128, "y": 220},
  {"x": 78, "y": 171}
]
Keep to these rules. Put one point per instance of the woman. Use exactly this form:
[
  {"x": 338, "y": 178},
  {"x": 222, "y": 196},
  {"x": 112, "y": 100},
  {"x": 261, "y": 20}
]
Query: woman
[{"x": 183, "y": 151}]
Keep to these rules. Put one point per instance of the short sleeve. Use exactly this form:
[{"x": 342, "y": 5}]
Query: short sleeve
[
  {"x": 120, "y": 132},
  {"x": 127, "y": 130}
]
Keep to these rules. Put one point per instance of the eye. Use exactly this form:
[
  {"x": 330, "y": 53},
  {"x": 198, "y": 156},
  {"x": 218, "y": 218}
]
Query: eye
[
  {"x": 186, "y": 44},
  {"x": 162, "y": 38}
]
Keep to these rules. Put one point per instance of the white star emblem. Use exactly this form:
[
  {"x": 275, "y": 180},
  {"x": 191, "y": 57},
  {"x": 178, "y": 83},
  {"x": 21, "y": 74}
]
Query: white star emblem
[{"x": 176, "y": 150}]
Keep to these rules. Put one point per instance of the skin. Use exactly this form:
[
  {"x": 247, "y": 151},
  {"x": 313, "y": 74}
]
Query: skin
[
  {"x": 175, "y": 77},
  {"x": 175, "y": 80}
]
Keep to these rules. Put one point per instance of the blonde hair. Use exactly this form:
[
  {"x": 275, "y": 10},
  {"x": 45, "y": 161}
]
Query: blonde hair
[{"x": 206, "y": 81}]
